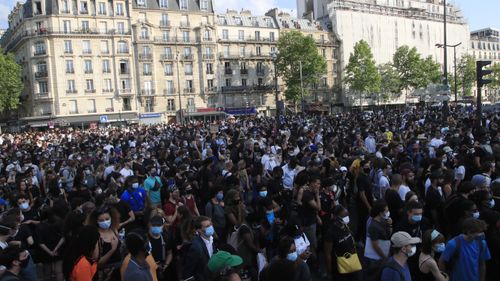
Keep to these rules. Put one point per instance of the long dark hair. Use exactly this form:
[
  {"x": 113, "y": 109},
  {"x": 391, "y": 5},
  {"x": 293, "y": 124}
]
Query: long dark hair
[{"x": 83, "y": 245}]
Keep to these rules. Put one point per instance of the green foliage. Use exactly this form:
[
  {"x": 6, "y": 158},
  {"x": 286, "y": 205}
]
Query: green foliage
[
  {"x": 10, "y": 82},
  {"x": 430, "y": 72},
  {"x": 495, "y": 76},
  {"x": 390, "y": 83},
  {"x": 294, "y": 47},
  {"x": 466, "y": 75},
  {"x": 361, "y": 72}
]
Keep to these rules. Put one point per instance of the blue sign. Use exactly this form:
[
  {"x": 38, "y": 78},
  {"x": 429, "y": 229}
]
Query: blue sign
[
  {"x": 103, "y": 119},
  {"x": 150, "y": 115},
  {"x": 241, "y": 111}
]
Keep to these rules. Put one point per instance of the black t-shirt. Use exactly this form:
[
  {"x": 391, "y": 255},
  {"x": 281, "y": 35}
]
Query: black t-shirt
[
  {"x": 364, "y": 184},
  {"x": 341, "y": 238},
  {"x": 455, "y": 208},
  {"x": 395, "y": 205},
  {"x": 157, "y": 246},
  {"x": 123, "y": 209},
  {"x": 32, "y": 214},
  {"x": 327, "y": 204},
  {"x": 308, "y": 213},
  {"x": 23, "y": 234},
  {"x": 414, "y": 229},
  {"x": 379, "y": 230}
]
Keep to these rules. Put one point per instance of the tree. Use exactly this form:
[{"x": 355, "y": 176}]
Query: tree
[
  {"x": 466, "y": 75},
  {"x": 407, "y": 63},
  {"x": 294, "y": 49},
  {"x": 361, "y": 72},
  {"x": 10, "y": 82},
  {"x": 495, "y": 80},
  {"x": 429, "y": 72},
  {"x": 390, "y": 83}
]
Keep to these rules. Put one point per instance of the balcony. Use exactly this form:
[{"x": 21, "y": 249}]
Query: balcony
[
  {"x": 125, "y": 92},
  {"x": 90, "y": 91},
  {"x": 188, "y": 90},
  {"x": 145, "y": 56},
  {"x": 169, "y": 91},
  {"x": 184, "y": 24},
  {"x": 42, "y": 96},
  {"x": 167, "y": 57},
  {"x": 87, "y": 52},
  {"x": 40, "y": 52},
  {"x": 187, "y": 57},
  {"x": 122, "y": 51},
  {"x": 147, "y": 92},
  {"x": 208, "y": 56},
  {"x": 106, "y": 70},
  {"x": 164, "y": 23},
  {"x": 65, "y": 11},
  {"x": 124, "y": 72},
  {"x": 227, "y": 89},
  {"x": 68, "y": 51},
  {"x": 71, "y": 91},
  {"x": 260, "y": 73},
  {"x": 89, "y": 71},
  {"x": 244, "y": 71},
  {"x": 163, "y": 40},
  {"x": 211, "y": 89},
  {"x": 70, "y": 71},
  {"x": 210, "y": 71},
  {"x": 147, "y": 73},
  {"x": 228, "y": 71},
  {"x": 104, "y": 52},
  {"x": 107, "y": 90},
  {"x": 144, "y": 37},
  {"x": 206, "y": 39},
  {"x": 169, "y": 73},
  {"x": 84, "y": 11},
  {"x": 41, "y": 74},
  {"x": 126, "y": 107},
  {"x": 110, "y": 109},
  {"x": 91, "y": 111}
]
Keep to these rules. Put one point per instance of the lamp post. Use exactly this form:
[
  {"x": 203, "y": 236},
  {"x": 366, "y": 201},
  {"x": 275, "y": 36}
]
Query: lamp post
[
  {"x": 445, "y": 63},
  {"x": 274, "y": 56},
  {"x": 181, "y": 115},
  {"x": 454, "y": 64}
]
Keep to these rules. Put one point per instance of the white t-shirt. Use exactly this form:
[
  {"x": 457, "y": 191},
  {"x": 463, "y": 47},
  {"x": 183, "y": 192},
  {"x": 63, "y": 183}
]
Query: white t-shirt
[
  {"x": 403, "y": 189},
  {"x": 459, "y": 173}
]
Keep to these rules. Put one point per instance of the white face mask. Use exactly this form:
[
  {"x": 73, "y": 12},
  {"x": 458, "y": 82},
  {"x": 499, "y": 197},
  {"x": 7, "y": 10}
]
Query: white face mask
[
  {"x": 413, "y": 251},
  {"x": 387, "y": 215},
  {"x": 346, "y": 220}
]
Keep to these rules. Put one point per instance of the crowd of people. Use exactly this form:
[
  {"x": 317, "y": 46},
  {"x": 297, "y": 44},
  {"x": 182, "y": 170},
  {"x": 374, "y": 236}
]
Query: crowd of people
[{"x": 394, "y": 195}]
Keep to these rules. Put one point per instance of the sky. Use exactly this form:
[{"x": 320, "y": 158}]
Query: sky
[{"x": 479, "y": 13}]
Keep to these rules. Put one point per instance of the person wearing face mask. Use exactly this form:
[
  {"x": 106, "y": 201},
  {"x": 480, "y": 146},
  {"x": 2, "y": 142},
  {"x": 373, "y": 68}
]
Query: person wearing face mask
[
  {"x": 215, "y": 211},
  {"x": 135, "y": 196},
  {"x": 30, "y": 214},
  {"x": 161, "y": 246},
  {"x": 396, "y": 267},
  {"x": 152, "y": 185},
  {"x": 342, "y": 242},
  {"x": 196, "y": 257},
  {"x": 378, "y": 236},
  {"x": 365, "y": 199},
  {"x": 15, "y": 260},
  {"x": 434, "y": 200},
  {"x": 432, "y": 244},
  {"x": 138, "y": 267},
  {"x": 107, "y": 221},
  {"x": 284, "y": 265},
  {"x": 465, "y": 255}
]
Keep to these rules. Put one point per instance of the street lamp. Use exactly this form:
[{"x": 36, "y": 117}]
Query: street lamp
[
  {"x": 454, "y": 64},
  {"x": 274, "y": 56}
]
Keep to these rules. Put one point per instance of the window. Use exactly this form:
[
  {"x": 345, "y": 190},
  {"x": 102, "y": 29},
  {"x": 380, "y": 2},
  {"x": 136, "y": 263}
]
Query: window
[
  {"x": 225, "y": 34},
  {"x": 41, "y": 67},
  {"x": 91, "y": 106},
  {"x": 168, "y": 69},
  {"x": 260, "y": 68},
  {"x": 43, "y": 87},
  {"x": 88, "y": 66},
  {"x": 103, "y": 27},
  {"x": 323, "y": 52},
  {"x": 125, "y": 83},
  {"x": 242, "y": 51},
  {"x": 126, "y": 104},
  {"x": 168, "y": 52},
  {"x": 65, "y": 7},
  {"x": 104, "y": 47},
  {"x": 89, "y": 84},
  {"x": 190, "y": 102},
  {"x": 210, "y": 83},
  {"x": 119, "y": 9},
  {"x": 85, "y": 26},
  {"x": 271, "y": 36},
  {"x": 166, "y": 35},
  {"x": 141, "y": 3},
  {"x": 189, "y": 86},
  {"x": 183, "y": 4},
  {"x": 83, "y": 7},
  {"x": 188, "y": 69},
  {"x": 146, "y": 50},
  {"x": 257, "y": 35},
  {"x": 210, "y": 69},
  {"x": 225, "y": 50},
  {"x": 185, "y": 36},
  {"x": 260, "y": 81},
  {"x": 71, "y": 86},
  {"x": 187, "y": 52},
  {"x": 120, "y": 27},
  {"x": 170, "y": 87},
  {"x": 241, "y": 35},
  {"x": 228, "y": 82},
  {"x": 108, "y": 85},
  {"x": 163, "y": 3},
  {"x": 69, "y": 67},
  {"x": 171, "y": 105},
  {"x": 164, "y": 20},
  {"x": 146, "y": 69},
  {"x": 109, "y": 105},
  {"x": 149, "y": 105},
  {"x": 40, "y": 48},
  {"x": 207, "y": 35},
  {"x": 66, "y": 26},
  {"x": 204, "y": 5},
  {"x": 124, "y": 67},
  {"x": 122, "y": 47},
  {"x": 86, "y": 47},
  {"x": 68, "y": 47},
  {"x": 144, "y": 33},
  {"x": 73, "y": 107},
  {"x": 102, "y": 8},
  {"x": 243, "y": 82}
]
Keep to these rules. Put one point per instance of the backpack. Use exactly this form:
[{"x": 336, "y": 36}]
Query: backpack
[{"x": 392, "y": 265}]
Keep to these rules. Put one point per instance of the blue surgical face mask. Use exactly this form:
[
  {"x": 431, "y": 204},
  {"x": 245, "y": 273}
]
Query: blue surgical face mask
[
  {"x": 105, "y": 224},
  {"x": 156, "y": 230},
  {"x": 292, "y": 256},
  {"x": 135, "y": 185},
  {"x": 416, "y": 218},
  {"x": 475, "y": 215},
  {"x": 263, "y": 193},
  {"x": 220, "y": 196},
  {"x": 270, "y": 216},
  {"x": 491, "y": 204},
  {"x": 439, "y": 248},
  {"x": 209, "y": 231}
]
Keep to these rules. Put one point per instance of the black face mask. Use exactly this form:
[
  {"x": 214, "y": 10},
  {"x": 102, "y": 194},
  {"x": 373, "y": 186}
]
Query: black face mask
[
  {"x": 366, "y": 170},
  {"x": 24, "y": 263}
]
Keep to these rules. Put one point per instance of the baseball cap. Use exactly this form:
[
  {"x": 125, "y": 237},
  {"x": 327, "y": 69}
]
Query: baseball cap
[
  {"x": 222, "y": 259},
  {"x": 401, "y": 239},
  {"x": 343, "y": 169}
]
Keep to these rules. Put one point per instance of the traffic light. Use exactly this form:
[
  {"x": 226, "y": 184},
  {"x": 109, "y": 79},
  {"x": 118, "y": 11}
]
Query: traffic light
[{"x": 480, "y": 72}]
